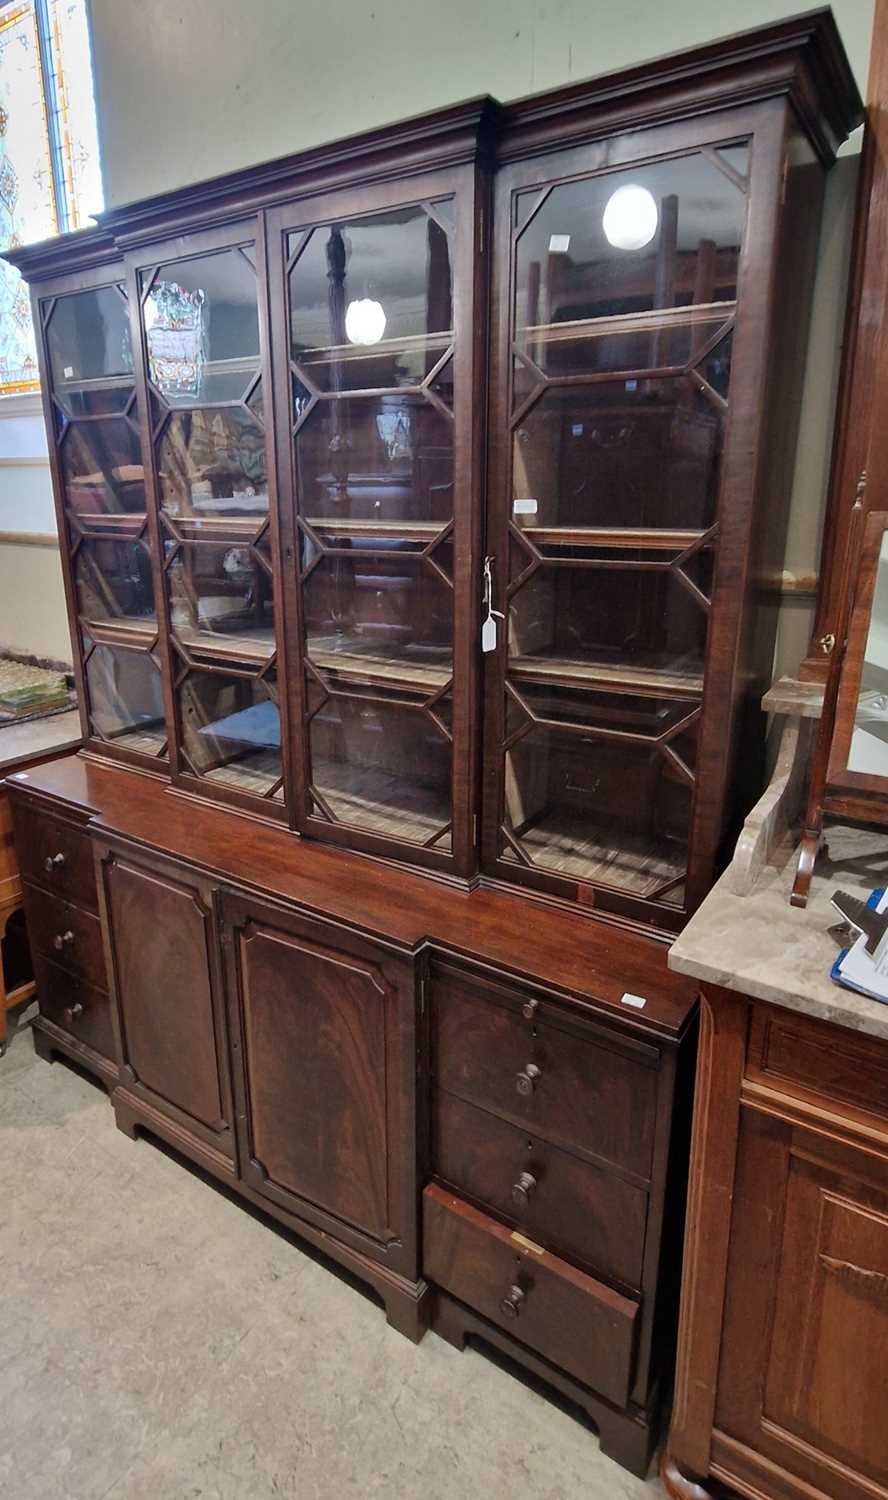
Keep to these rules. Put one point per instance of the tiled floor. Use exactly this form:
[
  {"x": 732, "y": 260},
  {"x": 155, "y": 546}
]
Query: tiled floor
[{"x": 159, "y": 1343}]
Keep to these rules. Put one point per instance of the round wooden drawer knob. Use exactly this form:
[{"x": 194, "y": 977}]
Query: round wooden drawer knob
[
  {"x": 53, "y": 862},
  {"x": 63, "y": 940},
  {"x": 526, "y": 1082},
  {"x": 529, "y": 1009},
  {"x": 71, "y": 1012},
  {"x": 511, "y": 1303},
  {"x": 522, "y": 1189}
]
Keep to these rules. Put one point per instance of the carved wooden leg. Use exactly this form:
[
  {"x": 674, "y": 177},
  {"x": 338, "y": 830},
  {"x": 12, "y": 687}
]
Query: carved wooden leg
[
  {"x": 676, "y": 1485},
  {"x": 407, "y": 1310},
  {"x": 124, "y": 1118}
]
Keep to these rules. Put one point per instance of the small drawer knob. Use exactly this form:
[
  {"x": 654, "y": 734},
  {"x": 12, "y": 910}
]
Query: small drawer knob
[
  {"x": 53, "y": 862},
  {"x": 71, "y": 1012},
  {"x": 512, "y": 1302},
  {"x": 526, "y": 1082},
  {"x": 522, "y": 1189},
  {"x": 63, "y": 940},
  {"x": 529, "y": 1009}
]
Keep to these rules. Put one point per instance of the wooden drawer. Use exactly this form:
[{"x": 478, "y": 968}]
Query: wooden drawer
[
  {"x": 567, "y": 1204},
  {"x": 549, "y": 1072},
  {"x": 807, "y": 1057},
  {"x": 580, "y": 1325},
  {"x": 66, "y": 934},
  {"x": 55, "y": 855},
  {"x": 77, "y": 1007}
]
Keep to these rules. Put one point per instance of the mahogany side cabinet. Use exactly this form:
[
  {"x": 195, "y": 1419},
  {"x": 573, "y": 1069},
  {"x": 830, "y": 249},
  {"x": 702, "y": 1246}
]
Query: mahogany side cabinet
[{"x": 421, "y": 498}]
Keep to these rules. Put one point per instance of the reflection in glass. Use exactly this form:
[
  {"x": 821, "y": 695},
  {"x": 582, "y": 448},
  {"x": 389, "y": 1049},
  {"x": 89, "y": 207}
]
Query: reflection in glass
[
  {"x": 568, "y": 271},
  {"x": 635, "y": 453},
  {"x": 614, "y": 813},
  {"x": 202, "y": 328},
  {"x": 385, "y": 458},
  {"x": 221, "y": 597},
  {"x": 371, "y": 300},
  {"x": 231, "y": 731},
  {"x": 101, "y": 465},
  {"x": 383, "y": 765},
  {"x": 211, "y": 463},
  {"x": 88, "y": 339},
  {"x": 380, "y": 611},
  {"x": 125, "y": 700},
  {"x": 113, "y": 582},
  {"x": 869, "y": 738}
]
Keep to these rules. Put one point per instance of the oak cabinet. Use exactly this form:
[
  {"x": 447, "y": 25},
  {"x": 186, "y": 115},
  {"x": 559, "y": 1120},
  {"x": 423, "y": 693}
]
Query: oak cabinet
[
  {"x": 323, "y": 1036},
  {"x": 166, "y": 986}
]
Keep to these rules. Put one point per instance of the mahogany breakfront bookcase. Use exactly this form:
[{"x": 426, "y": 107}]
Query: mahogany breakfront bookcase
[{"x": 423, "y": 495}]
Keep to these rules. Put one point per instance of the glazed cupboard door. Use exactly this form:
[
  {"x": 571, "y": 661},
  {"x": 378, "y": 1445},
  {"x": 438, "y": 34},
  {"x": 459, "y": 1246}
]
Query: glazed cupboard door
[
  {"x": 324, "y": 1043},
  {"x": 628, "y": 294},
  {"x": 201, "y": 329},
  {"x": 378, "y": 415},
  {"x": 92, "y": 418}
]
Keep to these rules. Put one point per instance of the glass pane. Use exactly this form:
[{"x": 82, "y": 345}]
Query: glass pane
[
  {"x": 371, "y": 301},
  {"x": 381, "y": 459},
  {"x": 72, "y": 61},
  {"x": 101, "y": 466},
  {"x": 221, "y": 599},
  {"x": 635, "y": 453},
  {"x": 212, "y": 464},
  {"x": 869, "y": 738},
  {"x": 642, "y": 341},
  {"x": 384, "y": 614},
  {"x": 635, "y": 626},
  {"x": 202, "y": 329},
  {"x": 126, "y": 704},
  {"x": 382, "y": 765},
  {"x": 113, "y": 582},
  {"x": 616, "y": 813},
  {"x": 231, "y": 731},
  {"x": 661, "y": 235},
  {"x": 88, "y": 340}
]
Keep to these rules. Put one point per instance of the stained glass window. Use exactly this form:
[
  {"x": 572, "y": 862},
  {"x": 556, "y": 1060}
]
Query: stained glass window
[{"x": 50, "y": 173}]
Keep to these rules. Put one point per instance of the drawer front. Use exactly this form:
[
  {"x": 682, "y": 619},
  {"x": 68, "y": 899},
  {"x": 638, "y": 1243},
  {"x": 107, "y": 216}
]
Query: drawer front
[
  {"x": 55, "y": 855},
  {"x": 69, "y": 936},
  {"x": 566, "y": 1204},
  {"x": 545, "y": 1074},
  {"x": 77, "y": 1007},
  {"x": 793, "y": 1053},
  {"x": 575, "y": 1322}
]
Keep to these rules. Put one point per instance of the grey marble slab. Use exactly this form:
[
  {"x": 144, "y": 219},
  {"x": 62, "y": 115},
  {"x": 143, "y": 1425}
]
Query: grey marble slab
[
  {"x": 22, "y": 742},
  {"x": 761, "y": 946}
]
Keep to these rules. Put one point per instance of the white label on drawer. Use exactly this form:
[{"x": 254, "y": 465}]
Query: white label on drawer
[
  {"x": 638, "y": 1001},
  {"x": 559, "y": 244},
  {"x": 526, "y": 1244},
  {"x": 525, "y": 507}
]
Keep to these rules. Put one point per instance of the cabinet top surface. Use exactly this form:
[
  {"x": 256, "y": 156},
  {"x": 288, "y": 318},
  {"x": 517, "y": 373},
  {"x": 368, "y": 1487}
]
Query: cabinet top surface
[
  {"x": 761, "y": 946},
  {"x": 578, "y": 955}
]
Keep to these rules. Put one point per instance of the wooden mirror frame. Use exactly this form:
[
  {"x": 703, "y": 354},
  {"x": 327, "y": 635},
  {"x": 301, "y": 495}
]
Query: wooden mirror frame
[{"x": 857, "y": 796}]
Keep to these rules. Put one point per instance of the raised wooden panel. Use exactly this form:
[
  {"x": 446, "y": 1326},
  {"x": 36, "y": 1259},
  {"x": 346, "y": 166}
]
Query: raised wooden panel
[
  {"x": 811, "y": 1058},
  {"x": 314, "y": 1029},
  {"x": 161, "y": 939},
  {"x": 826, "y": 1367}
]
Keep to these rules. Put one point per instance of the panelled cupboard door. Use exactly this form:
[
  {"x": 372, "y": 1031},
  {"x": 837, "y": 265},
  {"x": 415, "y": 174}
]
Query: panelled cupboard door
[
  {"x": 162, "y": 951},
  {"x": 630, "y": 302},
  {"x": 377, "y": 367},
  {"x": 323, "y": 1028},
  {"x": 803, "y": 1372}
]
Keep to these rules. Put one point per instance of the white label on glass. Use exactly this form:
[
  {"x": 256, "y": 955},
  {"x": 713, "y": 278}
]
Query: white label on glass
[
  {"x": 559, "y": 244},
  {"x": 637, "y": 1001},
  {"x": 577, "y": 429},
  {"x": 69, "y": 371},
  {"x": 488, "y": 634},
  {"x": 526, "y": 507}
]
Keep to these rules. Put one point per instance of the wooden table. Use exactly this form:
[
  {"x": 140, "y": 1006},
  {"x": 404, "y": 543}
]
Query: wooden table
[{"x": 22, "y": 746}]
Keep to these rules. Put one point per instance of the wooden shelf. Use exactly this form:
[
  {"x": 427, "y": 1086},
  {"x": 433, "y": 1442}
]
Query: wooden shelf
[
  {"x": 408, "y": 531},
  {"x": 364, "y": 662},
  {"x": 147, "y": 740},
  {"x": 255, "y": 772},
  {"x": 415, "y": 343},
  {"x": 258, "y": 646},
  {"x": 648, "y": 539},
  {"x": 668, "y": 681},
  {"x": 636, "y": 864},
  {"x": 372, "y": 799},
  {"x": 641, "y": 322}
]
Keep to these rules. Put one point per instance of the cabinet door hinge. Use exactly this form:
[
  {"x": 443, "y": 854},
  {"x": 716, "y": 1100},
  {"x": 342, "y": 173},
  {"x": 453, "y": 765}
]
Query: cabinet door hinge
[{"x": 422, "y": 994}]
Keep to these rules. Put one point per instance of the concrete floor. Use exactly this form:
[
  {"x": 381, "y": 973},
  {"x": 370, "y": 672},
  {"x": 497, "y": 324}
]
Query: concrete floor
[{"x": 159, "y": 1343}]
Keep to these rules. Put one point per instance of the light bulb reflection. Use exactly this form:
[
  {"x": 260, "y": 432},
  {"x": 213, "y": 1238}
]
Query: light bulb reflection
[
  {"x": 364, "y": 321},
  {"x": 630, "y": 217}
]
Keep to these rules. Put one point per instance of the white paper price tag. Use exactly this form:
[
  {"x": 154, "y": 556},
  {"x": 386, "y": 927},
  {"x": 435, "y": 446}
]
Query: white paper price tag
[
  {"x": 488, "y": 634},
  {"x": 637, "y": 1001}
]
